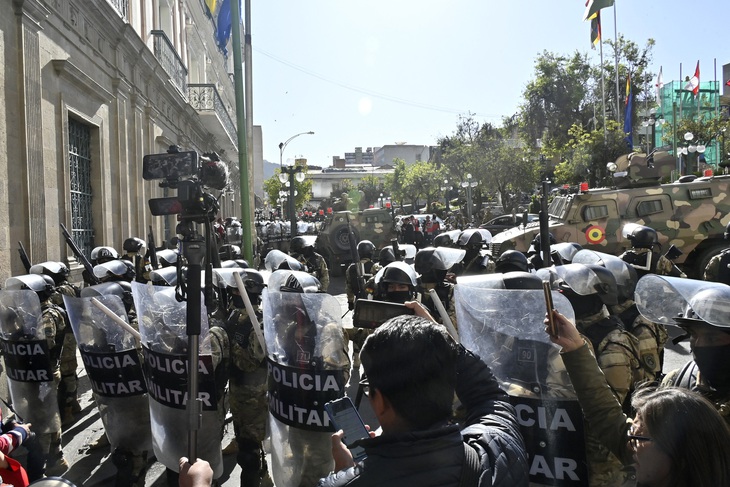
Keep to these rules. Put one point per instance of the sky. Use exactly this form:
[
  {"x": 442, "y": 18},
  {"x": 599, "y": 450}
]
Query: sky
[{"x": 377, "y": 72}]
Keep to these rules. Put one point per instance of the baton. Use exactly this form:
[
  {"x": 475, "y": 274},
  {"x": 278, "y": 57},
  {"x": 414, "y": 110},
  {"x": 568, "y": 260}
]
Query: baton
[
  {"x": 250, "y": 311},
  {"x": 111, "y": 314},
  {"x": 444, "y": 315}
]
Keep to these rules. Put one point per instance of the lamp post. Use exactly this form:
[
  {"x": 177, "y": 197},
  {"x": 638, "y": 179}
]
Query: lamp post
[
  {"x": 651, "y": 121},
  {"x": 445, "y": 189},
  {"x": 468, "y": 184},
  {"x": 691, "y": 146},
  {"x": 282, "y": 146},
  {"x": 287, "y": 176}
]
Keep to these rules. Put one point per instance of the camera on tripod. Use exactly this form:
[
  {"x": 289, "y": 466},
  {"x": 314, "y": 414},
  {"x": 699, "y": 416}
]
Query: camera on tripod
[{"x": 190, "y": 174}]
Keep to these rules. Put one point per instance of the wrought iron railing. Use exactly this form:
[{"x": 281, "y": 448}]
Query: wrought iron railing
[
  {"x": 204, "y": 97},
  {"x": 122, "y": 6},
  {"x": 170, "y": 60}
]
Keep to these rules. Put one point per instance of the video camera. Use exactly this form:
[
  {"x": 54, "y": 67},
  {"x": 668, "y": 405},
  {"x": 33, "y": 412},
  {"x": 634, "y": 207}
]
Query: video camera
[{"x": 189, "y": 174}]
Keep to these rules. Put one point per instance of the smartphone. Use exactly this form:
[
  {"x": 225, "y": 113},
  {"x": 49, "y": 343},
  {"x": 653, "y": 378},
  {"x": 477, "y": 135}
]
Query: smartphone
[
  {"x": 344, "y": 416},
  {"x": 552, "y": 327},
  {"x": 370, "y": 313}
]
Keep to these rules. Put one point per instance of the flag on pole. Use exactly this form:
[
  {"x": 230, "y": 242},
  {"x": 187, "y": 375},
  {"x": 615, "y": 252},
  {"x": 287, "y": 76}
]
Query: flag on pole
[
  {"x": 594, "y": 6},
  {"x": 225, "y": 24},
  {"x": 211, "y": 5},
  {"x": 628, "y": 123},
  {"x": 595, "y": 30},
  {"x": 693, "y": 84},
  {"x": 727, "y": 83},
  {"x": 659, "y": 84}
]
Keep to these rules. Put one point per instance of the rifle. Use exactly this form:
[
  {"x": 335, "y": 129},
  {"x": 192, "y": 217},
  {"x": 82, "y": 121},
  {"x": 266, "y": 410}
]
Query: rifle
[
  {"x": 355, "y": 256},
  {"x": 151, "y": 249},
  {"x": 396, "y": 250},
  {"x": 24, "y": 257},
  {"x": 79, "y": 255}
]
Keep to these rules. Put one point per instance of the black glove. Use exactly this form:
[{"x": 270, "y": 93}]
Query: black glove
[{"x": 351, "y": 305}]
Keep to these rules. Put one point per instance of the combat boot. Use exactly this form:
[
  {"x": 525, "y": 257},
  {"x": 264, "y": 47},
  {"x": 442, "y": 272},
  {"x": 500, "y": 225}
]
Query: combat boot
[{"x": 56, "y": 465}]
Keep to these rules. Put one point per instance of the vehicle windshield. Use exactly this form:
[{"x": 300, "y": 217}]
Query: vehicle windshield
[{"x": 559, "y": 207}]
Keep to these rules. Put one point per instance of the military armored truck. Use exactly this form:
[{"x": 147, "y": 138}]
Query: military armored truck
[
  {"x": 690, "y": 213},
  {"x": 333, "y": 240}
]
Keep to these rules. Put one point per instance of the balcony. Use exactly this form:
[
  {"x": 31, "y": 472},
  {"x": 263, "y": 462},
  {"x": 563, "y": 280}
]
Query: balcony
[
  {"x": 170, "y": 60},
  {"x": 121, "y": 6},
  {"x": 207, "y": 102}
]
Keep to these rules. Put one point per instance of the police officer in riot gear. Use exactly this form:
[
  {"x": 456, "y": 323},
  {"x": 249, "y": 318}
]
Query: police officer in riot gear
[
  {"x": 99, "y": 255},
  {"x": 355, "y": 285},
  {"x": 247, "y": 373},
  {"x": 642, "y": 256},
  {"x": 476, "y": 260},
  {"x": 47, "y": 458},
  {"x": 433, "y": 264},
  {"x": 534, "y": 253},
  {"x": 135, "y": 249},
  {"x": 718, "y": 268},
  {"x": 68, "y": 400},
  {"x": 302, "y": 248}
]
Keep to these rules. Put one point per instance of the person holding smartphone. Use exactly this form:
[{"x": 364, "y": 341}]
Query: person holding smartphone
[{"x": 413, "y": 367}]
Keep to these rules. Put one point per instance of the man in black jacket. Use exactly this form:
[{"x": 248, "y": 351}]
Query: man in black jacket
[{"x": 413, "y": 367}]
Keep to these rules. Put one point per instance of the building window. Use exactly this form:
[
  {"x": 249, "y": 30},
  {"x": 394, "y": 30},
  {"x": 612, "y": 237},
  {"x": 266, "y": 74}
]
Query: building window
[{"x": 79, "y": 160}]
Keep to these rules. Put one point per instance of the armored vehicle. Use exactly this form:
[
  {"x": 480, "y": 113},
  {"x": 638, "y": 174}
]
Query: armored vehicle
[
  {"x": 333, "y": 240},
  {"x": 690, "y": 213}
]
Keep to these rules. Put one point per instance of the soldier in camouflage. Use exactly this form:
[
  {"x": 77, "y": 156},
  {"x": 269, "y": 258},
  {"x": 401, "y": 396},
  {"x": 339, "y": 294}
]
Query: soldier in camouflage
[
  {"x": 615, "y": 349},
  {"x": 46, "y": 457},
  {"x": 718, "y": 268},
  {"x": 641, "y": 255},
  {"x": 68, "y": 400},
  {"x": 247, "y": 376},
  {"x": 353, "y": 285},
  {"x": 302, "y": 248}
]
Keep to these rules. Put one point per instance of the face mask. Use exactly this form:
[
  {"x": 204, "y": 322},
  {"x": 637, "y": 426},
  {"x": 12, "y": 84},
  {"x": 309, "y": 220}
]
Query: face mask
[
  {"x": 714, "y": 365},
  {"x": 398, "y": 296},
  {"x": 237, "y": 301}
]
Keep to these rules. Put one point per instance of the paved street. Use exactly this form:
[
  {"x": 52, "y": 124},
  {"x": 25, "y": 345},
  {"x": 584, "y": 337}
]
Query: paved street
[{"x": 94, "y": 467}]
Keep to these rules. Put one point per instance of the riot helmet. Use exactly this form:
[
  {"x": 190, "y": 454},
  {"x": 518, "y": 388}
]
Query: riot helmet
[
  {"x": 565, "y": 251},
  {"x": 230, "y": 252},
  {"x": 134, "y": 245},
  {"x": 99, "y": 255},
  {"x": 115, "y": 270},
  {"x": 433, "y": 263},
  {"x": 471, "y": 238},
  {"x": 386, "y": 256},
  {"x": 58, "y": 271},
  {"x": 710, "y": 305},
  {"x": 587, "y": 286},
  {"x": 511, "y": 260},
  {"x": 625, "y": 274},
  {"x": 166, "y": 276},
  {"x": 442, "y": 240},
  {"x": 41, "y": 284},
  {"x": 167, "y": 257},
  {"x": 296, "y": 282},
  {"x": 641, "y": 237},
  {"x": 535, "y": 245},
  {"x": 365, "y": 249},
  {"x": 243, "y": 264},
  {"x": 397, "y": 282},
  {"x": 303, "y": 245}
]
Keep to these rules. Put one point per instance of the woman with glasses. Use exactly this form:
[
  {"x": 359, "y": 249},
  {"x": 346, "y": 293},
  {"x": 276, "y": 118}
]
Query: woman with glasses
[{"x": 677, "y": 438}]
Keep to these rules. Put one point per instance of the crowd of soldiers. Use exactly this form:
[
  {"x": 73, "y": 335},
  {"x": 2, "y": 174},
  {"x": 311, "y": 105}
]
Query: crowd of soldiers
[{"x": 261, "y": 355}]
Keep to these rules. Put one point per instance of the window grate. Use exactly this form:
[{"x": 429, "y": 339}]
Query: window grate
[{"x": 79, "y": 159}]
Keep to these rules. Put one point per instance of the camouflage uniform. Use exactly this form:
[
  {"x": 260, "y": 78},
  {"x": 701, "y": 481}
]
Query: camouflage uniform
[
  {"x": 317, "y": 267},
  {"x": 47, "y": 455},
  {"x": 68, "y": 402},
  {"x": 616, "y": 352},
  {"x": 718, "y": 269},
  {"x": 689, "y": 377},
  {"x": 355, "y": 334},
  {"x": 659, "y": 265},
  {"x": 445, "y": 291},
  {"x": 651, "y": 338},
  {"x": 247, "y": 396}
]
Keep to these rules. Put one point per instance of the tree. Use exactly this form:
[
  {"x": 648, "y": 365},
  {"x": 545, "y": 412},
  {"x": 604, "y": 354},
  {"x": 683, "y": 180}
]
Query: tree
[
  {"x": 394, "y": 182},
  {"x": 273, "y": 187},
  {"x": 371, "y": 187},
  {"x": 422, "y": 181}
]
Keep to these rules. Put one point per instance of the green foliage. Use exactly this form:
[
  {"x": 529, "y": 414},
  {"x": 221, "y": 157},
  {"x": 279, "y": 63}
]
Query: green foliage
[
  {"x": 371, "y": 187},
  {"x": 273, "y": 186},
  {"x": 586, "y": 155}
]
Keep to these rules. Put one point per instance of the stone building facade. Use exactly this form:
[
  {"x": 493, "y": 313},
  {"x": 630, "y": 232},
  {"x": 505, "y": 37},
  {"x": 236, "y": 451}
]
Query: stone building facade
[{"x": 87, "y": 88}]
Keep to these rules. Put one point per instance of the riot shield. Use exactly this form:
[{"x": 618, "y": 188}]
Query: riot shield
[
  {"x": 162, "y": 324},
  {"x": 28, "y": 363},
  {"x": 444, "y": 258},
  {"x": 617, "y": 266},
  {"x": 275, "y": 258},
  {"x": 663, "y": 298},
  {"x": 113, "y": 365},
  {"x": 505, "y": 327},
  {"x": 308, "y": 366}
]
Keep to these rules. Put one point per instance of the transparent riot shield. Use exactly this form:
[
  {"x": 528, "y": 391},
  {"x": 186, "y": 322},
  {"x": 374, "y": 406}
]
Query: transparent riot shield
[
  {"x": 28, "y": 363},
  {"x": 662, "y": 299},
  {"x": 275, "y": 258},
  {"x": 112, "y": 362},
  {"x": 162, "y": 324},
  {"x": 505, "y": 328},
  {"x": 308, "y": 366}
]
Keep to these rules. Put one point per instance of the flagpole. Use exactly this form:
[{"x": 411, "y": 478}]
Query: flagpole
[
  {"x": 699, "y": 100},
  {"x": 615, "y": 35},
  {"x": 241, "y": 132},
  {"x": 716, "y": 86},
  {"x": 603, "y": 82},
  {"x": 681, "y": 89}
]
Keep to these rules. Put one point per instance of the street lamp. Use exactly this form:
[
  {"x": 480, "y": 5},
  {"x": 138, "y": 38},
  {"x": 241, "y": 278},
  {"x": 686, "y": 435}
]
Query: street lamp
[
  {"x": 445, "y": 189},
  {"x": 282, "y": 146},
  {"x": 287, "y": 176},
  {"x": 651, "y": 121},
  {"x": 691, "y": 146},
  {"x": 468, "y": 184}
]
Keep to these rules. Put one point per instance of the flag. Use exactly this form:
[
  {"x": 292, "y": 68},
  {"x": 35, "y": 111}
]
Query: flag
[
  {"x": 727, "y": 83},
  {"x": 628, "y": 123},
  {"x": 693, "y": 84},
  {"x": 224, "y": 25},
  {"x": 211, "y": 6},
  {"x": 659, "y": 84},
  {"x": 596, "y": 30},
  {"x": 594, "y": 6}
]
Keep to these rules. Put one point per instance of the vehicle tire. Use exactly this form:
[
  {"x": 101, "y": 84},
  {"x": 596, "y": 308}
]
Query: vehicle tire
[
  {"x": 341, "y": 238},
  {"x": 697, "y": 269}
]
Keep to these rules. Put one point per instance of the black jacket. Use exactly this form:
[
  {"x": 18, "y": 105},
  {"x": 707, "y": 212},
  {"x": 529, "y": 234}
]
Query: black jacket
[{"x": 435, "y": 457}]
